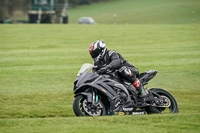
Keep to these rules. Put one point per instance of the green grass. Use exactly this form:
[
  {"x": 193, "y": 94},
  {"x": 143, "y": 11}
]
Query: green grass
[
  {"x": 180, "y": 123},
  {"x": 140, "y": 12},
  {"x": 38, "y": 64}
]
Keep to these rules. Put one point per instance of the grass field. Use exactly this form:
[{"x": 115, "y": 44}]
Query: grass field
[
  {"x": 38, "y": 64},
  {"x": 140, "y": 12}
]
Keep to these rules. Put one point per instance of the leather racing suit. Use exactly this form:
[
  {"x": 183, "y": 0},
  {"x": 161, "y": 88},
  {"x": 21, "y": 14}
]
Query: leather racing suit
[{"x": 117, "y": 62}]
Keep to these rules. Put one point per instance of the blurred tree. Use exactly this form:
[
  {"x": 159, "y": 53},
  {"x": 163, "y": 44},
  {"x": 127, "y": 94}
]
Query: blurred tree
[
  {"x": 83, "y": 2},
  {"x": 8, "y": 7},
  {"x": 74, "y": 2},
  {"x": 3, "y": 9}
]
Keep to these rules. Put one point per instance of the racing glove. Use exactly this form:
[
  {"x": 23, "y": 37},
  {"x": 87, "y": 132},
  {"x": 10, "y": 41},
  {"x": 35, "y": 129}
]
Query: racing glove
[{"x": 105, "y": 69}]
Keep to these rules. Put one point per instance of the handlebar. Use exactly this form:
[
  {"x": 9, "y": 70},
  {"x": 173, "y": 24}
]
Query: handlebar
[{"x": 109, "y": 72}]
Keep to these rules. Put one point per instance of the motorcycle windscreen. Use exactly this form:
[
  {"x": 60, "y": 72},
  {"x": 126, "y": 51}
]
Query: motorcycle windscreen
[{"x": 85, "y": 67}]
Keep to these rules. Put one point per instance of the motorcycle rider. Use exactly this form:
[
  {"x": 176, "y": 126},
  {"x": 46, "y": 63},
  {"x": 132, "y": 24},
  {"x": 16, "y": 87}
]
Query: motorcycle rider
[{"x": 109, "y": 59}]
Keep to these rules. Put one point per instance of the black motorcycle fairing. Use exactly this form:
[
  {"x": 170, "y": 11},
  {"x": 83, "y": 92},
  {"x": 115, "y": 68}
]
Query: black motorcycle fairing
[
  {"x": 86, "y": 77},
  {"x": 88, "y": 95},
  {"x": 93, "y": 80},
  {"x": 101, "y": 83}
]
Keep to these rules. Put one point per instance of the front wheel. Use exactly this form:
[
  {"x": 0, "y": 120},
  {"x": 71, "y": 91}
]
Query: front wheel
[
  {"x": 82, "y": 108},
  {"x": 173, "y": 108}
]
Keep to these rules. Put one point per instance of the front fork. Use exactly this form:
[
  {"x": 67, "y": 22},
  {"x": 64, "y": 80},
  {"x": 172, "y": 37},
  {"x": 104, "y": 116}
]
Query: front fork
[
  {"x": 95, "y": 101},
  {"x": 95, "y": 98}
]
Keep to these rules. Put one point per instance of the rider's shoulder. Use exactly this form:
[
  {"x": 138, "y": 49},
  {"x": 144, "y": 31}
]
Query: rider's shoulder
[{"x": 111, "y": 52}]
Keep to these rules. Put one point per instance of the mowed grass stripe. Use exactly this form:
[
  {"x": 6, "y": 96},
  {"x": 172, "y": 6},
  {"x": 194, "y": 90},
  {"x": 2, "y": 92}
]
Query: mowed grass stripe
[{"x": 152, "y": 123}]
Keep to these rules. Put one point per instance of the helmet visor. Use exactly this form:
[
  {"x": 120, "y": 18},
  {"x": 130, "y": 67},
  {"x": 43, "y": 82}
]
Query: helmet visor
[{"x": 94, "y": 54}]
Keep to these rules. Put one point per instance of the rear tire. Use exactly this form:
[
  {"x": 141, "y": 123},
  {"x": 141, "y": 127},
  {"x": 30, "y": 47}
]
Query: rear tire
[
  {"x": 79, "y": 110},
  {"x": 173, "y": 108}
]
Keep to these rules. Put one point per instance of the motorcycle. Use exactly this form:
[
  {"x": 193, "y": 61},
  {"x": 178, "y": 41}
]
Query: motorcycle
[{"x": 108, "y": 94}]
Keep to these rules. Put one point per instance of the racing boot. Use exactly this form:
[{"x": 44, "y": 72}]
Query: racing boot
[{"x": 143, "y": 92}]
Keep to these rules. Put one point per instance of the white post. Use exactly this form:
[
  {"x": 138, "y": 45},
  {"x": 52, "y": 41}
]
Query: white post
[
  {"x": 115, "y": 17},
  {"x": 39, "y": 15}
]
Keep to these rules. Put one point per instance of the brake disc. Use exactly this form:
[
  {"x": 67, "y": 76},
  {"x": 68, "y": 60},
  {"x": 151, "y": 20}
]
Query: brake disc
[{"x": 91, "y": 110}]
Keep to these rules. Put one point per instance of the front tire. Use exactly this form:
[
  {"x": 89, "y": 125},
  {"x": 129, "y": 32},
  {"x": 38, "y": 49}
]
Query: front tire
[
  {"x": 82, "y": 108},
  {"x": 173, "y": 108}
]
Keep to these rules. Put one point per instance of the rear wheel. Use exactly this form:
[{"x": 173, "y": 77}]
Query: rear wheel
[
  {"x": 82, "y": 108},
  {"x": 173, "y": 106}
]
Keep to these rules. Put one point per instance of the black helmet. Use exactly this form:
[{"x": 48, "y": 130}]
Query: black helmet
[{"x": 97, "y": 50}]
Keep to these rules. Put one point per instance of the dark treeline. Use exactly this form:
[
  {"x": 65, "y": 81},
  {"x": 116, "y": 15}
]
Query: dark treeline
[
  {"x": 82, "y": 2},
  {"x": 9, "y": 8}
]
